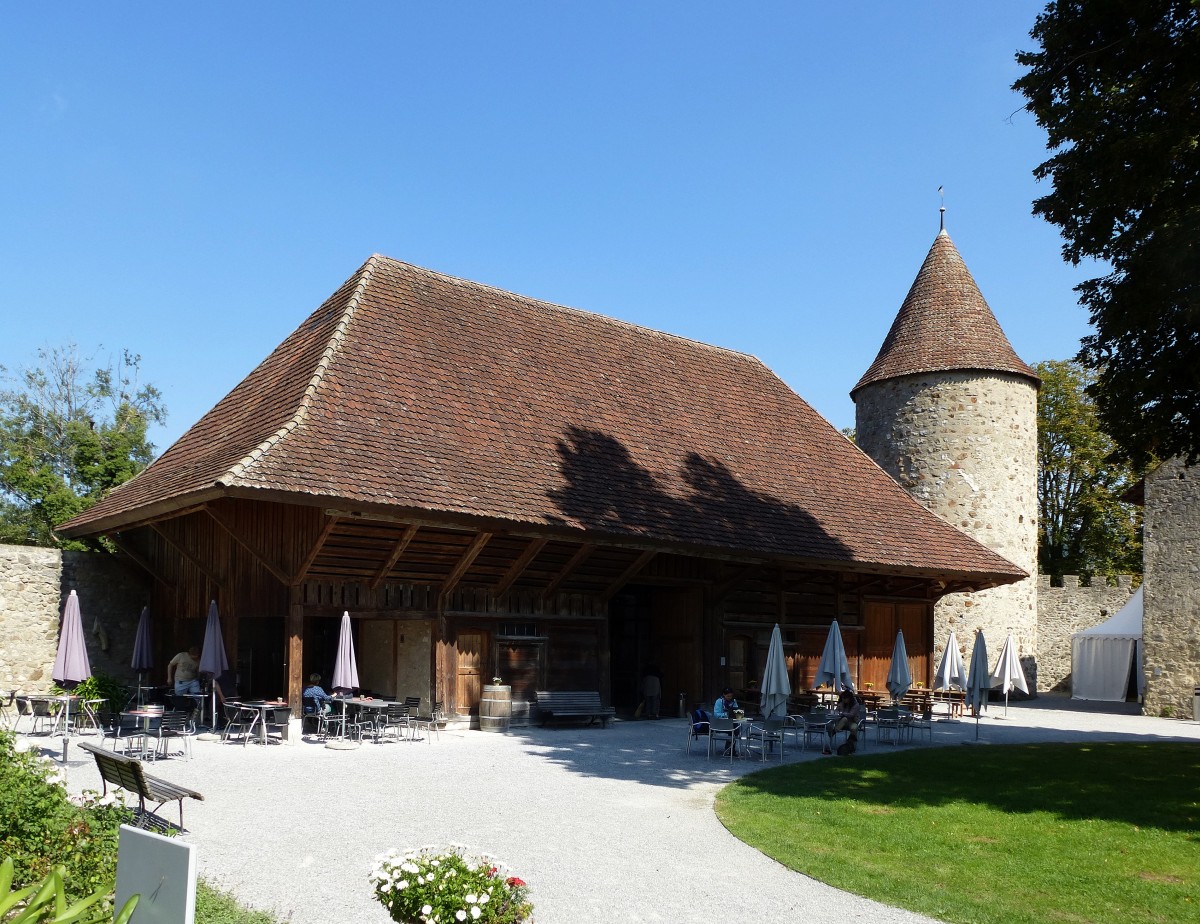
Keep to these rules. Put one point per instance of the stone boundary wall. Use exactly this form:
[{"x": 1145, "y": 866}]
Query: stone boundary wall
[
  {"x": 1063, "y": 611},
  {"x": 34, "y": 584}
]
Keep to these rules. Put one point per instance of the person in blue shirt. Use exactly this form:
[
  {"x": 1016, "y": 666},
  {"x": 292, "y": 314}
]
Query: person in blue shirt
[
  {"x": 314, "y": 691},
  {"x": 725, "y": 705}
]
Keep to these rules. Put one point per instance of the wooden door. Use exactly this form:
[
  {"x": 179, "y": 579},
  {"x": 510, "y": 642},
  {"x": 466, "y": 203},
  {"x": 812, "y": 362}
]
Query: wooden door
[
  {"x": 520, "y": 663},
  {"x": 470, "y": 657},
  {"x": 883, "y": 620}
]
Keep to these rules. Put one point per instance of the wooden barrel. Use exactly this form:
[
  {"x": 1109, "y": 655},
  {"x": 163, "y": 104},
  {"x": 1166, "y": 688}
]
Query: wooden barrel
[{"x": 495, "y": 709}]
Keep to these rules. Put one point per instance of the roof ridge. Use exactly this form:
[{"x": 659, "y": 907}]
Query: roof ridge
[
  {"x": 483, "y": 286},
  {"x": 335, "y": 342}
]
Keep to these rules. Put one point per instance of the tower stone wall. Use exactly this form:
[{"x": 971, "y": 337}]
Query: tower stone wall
[{"x": 964, "y": 444}]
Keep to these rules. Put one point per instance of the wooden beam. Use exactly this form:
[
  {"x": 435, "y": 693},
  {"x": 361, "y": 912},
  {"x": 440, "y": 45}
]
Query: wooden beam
[
  {"x": 518, "y": 567},
  {"x": 256, "y": 554},
  {"x": 568, "y": 569},
  {"x": 302, "y": 571},
  {"x": 722, "y": 590},
  {"x": 397, "y": 551},
  {"x": 188, "y": 556},
  {"x": 137, "y": 558},
  {"x": 627, "y": 575},
  {"x": 464, "y": 563}
]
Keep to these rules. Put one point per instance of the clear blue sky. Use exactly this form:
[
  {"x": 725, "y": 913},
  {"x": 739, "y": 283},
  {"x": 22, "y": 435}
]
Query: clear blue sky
[{"x": 190, "y": 181}]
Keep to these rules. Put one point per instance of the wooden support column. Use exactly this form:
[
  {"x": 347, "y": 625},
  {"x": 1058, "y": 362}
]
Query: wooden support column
[{"x": 293, "y": 655}]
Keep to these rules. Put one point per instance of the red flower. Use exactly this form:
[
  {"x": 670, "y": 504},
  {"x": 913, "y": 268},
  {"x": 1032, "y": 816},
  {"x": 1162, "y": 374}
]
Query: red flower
[
  {"x": 493, "y": 870},
  {"x": 514, "y": 881}
]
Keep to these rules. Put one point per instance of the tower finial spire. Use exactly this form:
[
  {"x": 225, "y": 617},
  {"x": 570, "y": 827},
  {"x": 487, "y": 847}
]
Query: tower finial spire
[{"x": 942, "y": 210}]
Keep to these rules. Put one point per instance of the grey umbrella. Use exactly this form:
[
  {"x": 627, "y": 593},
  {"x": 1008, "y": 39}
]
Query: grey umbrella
[
  {"x": 776, "y": 685},
  {"x": 951, "y": 672},
  {"x": 143, "y": 651},
  {"x": 1008, "y": 674},
  {"x": 345, "y": 668},
  {"x": 71, "y": 663},
  {"x": 980, "y": 679},
  {"x": 212, "y": 655},
  {"x": 834, "y": 669},
  {"x": 899, "y": 677}
]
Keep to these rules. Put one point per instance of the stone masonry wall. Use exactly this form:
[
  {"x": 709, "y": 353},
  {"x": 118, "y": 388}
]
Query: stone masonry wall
[
  {"x": 964, "y": 444},
  {"x": 34, "y": 584},
  {"x": 1171, "y": 559},
  {"x": 1063, "y": 611}
]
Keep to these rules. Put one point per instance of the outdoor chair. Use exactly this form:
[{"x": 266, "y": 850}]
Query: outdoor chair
[
  {"x": 395, "y": 719},
  {"x": 239, "y": 720},
  {"x": 175, "y": 726},
  {"x": 816, "y": 723},
  {"x": 891, "y": 726},
  {"x": 769, "y": 735},
  {"x": 921, "y": 723},
  {"x": 697, "y": 727},
  {"x": 722, "y": 730},
  {"x": 117, "y": 728},
  {"x": 45, "y": 715},
  {"x": 24, "y": 708},
  {"x": 6, "y": 707},
  {"x": 277, "y": 722},
  {"x": 426, "y": 723},
  {"x": 89, "y": 711}
]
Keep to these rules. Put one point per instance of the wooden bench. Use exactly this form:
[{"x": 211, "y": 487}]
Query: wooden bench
[
  {"x": 128, "y": 774},
  {"x": 580, "y": 704}
]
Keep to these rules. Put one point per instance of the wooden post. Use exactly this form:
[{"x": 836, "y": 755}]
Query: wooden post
[{"x": 293, "y": 655}]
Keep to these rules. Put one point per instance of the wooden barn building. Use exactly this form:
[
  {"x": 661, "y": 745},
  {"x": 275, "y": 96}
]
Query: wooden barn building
[{"x": 496, "y": 486}]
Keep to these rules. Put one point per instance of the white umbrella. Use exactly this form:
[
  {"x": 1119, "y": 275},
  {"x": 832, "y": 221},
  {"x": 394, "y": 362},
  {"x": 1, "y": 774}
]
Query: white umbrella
[
  {"x": 951, "y": 672},
  {"x": 899, "y": 677},
  {"x": 776, "y": 686},
  {"x": 834, "y": 668},
  {"x": 980, "y": 680},
  {"x": 345, "y": 668},
  {"x": 1008, "y": 674},
  {"x": 212, "y": 655}
]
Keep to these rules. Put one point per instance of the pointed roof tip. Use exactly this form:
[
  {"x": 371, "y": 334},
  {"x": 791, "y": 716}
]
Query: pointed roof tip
[{"x": 944, "y": 325}]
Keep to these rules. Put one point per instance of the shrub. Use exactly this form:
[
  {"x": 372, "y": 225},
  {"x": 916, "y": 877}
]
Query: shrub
[
  {"x": 446, "y": 886},
  {"x": 41, "y": 828},
  {"x": 100, "y": 686}
]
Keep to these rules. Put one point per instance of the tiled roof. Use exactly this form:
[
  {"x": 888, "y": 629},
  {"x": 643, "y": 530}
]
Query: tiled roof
[
  {"x": 417, "y": 391},
  {"x": 944, "y": 324}
]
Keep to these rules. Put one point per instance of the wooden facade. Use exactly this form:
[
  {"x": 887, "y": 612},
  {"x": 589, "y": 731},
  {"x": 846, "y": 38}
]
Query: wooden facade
[{"x": 439, "y": 609}]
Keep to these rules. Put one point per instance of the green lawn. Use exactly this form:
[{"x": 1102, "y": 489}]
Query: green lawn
[{"x": 1104, "y": 833}]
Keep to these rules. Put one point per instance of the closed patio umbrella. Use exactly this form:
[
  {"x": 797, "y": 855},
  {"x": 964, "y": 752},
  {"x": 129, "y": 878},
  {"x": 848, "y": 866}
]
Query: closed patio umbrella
[
  {"x": 834, "y": 668},
  {"x": 1008, "y": 674},
  {"x": 980, "y": 680},
  {"x": 212, "y": 655},
  {"x": 776, "y": 685},
  {"x": 143, "y": 651},
  {"x": 71, "y": 663},
  {"x": 899, "y": 677},
  {"x": 951, "y": 672},
  {"x": 345, "y": 668}
]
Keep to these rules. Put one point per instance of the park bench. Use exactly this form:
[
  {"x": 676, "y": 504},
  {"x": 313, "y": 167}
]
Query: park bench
[
  {"x": 581, "y": 704},
  {"x": 128, "y": 774}
]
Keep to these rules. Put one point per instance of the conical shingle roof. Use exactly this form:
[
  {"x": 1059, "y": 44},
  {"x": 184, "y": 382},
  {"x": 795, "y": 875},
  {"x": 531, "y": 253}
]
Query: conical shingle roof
[{"x": 944, "y": 324}]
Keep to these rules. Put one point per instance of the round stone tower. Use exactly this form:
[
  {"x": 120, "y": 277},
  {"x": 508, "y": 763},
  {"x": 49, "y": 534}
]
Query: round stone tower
[{"x": 949, "y": 410}]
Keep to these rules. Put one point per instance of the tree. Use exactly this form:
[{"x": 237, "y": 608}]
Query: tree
[
  {"x": 1117, "y": 88},
  {"x": 68, "y": 435},
  {"x": 1083, "y": 525}
]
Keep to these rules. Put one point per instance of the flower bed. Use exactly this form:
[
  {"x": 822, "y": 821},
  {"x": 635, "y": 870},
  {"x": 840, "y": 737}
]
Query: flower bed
[{"x": 440, "y": 885}]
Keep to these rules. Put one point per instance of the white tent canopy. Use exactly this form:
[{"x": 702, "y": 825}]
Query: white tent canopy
[{"x": 1102, "y": 655}]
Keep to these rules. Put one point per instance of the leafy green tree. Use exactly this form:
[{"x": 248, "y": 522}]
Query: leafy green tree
[
  {"x": 1083, "y": 525},
  {"x": 69, "y": 433},
  {"x": 1117, "y": 88}
]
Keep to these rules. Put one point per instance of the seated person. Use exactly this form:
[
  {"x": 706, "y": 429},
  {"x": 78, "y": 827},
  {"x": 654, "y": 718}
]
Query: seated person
[
  {"x": 314, "y": 696},
  {"x": 850, "y": 714},
  {"x": 725, "y": 705}
]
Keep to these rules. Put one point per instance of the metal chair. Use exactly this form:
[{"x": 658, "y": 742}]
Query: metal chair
[
  {"x": 891, "y": 727},
  {"x": 240, "y": 720},
  {"x": 44, "y": 714},
  {"x": 395, "y": 719},
  {"x": 24, "y": 708},
  {"x": 698, "y": 726},
  {"x": 768, "y": 733},
  {"x": 277, "y": 723},
  {"x": 89, "y": 710},
  {"x": 815, "y": 724},
  {"x": 6, "y": 716},
  {"x": 722, "y": 730},
  {"x": 175, "y": 726}
]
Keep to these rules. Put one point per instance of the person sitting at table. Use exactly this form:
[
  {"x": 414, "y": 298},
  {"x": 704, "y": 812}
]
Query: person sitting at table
[
  {"x": 725, "y": 705},
  {"x": 315, "y": 692},
  {"x": 183, "y": 671},
  {"x": 850, "y": 714}
]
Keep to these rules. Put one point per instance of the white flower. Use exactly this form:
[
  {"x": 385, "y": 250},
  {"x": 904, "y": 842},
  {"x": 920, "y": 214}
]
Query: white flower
[
  {"x": 408, "y": 867},
  {"x": 425, "y": 909},
  {"x": 460, "y": 915},
  {"x": 470, "y": 899},
  {"x": 402, "y": 884},
  {"x": 475, "y": 912}
]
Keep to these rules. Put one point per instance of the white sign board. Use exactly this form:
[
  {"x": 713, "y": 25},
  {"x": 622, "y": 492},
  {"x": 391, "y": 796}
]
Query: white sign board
[{"x": 162, "y": 871}]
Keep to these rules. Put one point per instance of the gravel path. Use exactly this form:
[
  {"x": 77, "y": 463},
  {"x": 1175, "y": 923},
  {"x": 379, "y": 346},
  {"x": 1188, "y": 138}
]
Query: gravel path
[{"x": 607, "y": 825}]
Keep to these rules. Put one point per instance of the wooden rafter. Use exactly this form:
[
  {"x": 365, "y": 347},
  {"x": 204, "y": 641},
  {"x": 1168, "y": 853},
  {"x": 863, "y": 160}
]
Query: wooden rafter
[
  {"x": 518, "y": 567},
  {"x": 302, "y": 571},
  {"x": 464, "y": 563},
  {"x": 397, "y": 551},
  {"x": 580, "y": 556},
  {"x": 137, "y": 558},
  {"x": 627, "y": 575},
  {"x": 245, "y": 543},
  {"x": 188, "y": 556}
]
